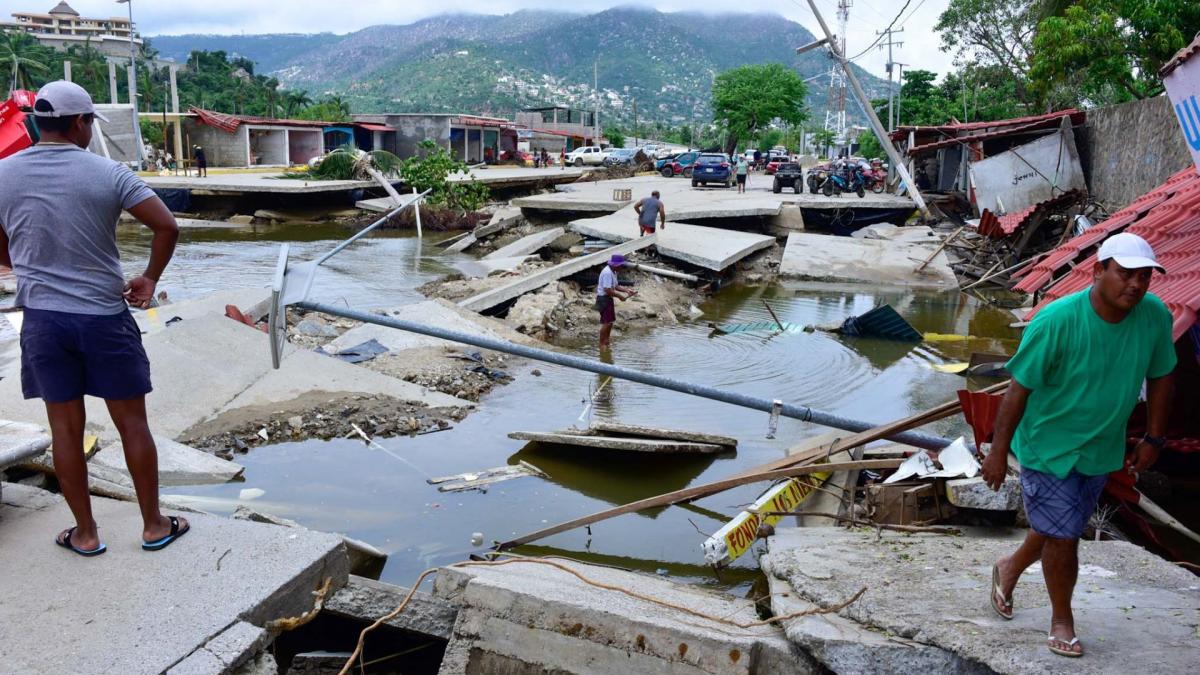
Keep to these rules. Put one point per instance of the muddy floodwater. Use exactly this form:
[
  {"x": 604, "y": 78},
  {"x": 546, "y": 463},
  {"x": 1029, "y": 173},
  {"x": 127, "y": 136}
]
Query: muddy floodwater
[{"x": 345, "y": 486}]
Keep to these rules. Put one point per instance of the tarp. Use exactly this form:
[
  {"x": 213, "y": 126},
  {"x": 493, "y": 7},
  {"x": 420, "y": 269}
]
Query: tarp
[{"x": 14, "y": 136}]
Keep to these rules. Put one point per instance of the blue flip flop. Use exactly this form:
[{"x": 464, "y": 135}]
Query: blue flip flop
[
  {"x": 65, "y": 542},
  {"x": 160, "y": 544}
]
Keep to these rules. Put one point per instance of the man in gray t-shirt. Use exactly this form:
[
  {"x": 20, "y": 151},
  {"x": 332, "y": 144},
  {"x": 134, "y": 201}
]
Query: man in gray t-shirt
[
  {"x": 59, "y": 206},
  {"x": 648, "y": 209}
]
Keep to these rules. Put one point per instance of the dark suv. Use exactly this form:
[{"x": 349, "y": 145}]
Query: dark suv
[
  {"x": 788, "y": 174},
  {"x": 712, "y": 168}
]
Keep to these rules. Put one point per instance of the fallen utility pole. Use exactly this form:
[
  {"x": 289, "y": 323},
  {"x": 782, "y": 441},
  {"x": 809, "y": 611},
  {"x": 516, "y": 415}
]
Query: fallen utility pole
[
  {"x": 799, "y": 412},
  {"x": 876, "y": 126}
]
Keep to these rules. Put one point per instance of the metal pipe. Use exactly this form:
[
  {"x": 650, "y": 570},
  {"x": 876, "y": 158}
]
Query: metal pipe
[
  {"x": 799, "y": 412},
  {"x": 366, "y": 230}
]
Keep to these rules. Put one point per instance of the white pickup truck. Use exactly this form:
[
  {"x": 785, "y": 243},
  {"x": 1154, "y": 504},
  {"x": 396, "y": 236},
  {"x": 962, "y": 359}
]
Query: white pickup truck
[{"x": 589, "y": 154}]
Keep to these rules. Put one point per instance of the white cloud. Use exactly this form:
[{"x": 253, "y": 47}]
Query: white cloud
[{"x": 159, "y": 17}]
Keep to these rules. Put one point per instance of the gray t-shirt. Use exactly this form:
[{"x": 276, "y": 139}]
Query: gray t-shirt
[
  {"x": 59, "y": 206},
  {"x": 650, "y": 207}
]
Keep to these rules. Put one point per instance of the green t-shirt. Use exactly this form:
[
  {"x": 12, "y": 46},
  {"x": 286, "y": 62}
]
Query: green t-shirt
[{"x": 1085, "y": 375}]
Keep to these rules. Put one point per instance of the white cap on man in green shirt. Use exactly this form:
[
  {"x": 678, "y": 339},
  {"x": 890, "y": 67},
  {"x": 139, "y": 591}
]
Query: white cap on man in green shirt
[{"x": 1130, "y": 251}]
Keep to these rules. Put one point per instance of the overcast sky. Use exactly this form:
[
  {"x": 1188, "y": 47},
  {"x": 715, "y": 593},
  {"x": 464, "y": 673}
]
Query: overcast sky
[{"x": 158, "y": 17}]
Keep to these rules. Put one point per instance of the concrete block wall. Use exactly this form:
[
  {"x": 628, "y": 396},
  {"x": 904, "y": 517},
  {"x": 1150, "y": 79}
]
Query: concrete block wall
[
  {"x": 221, "y": 148},
  {"x": 1128, "y": 149}
]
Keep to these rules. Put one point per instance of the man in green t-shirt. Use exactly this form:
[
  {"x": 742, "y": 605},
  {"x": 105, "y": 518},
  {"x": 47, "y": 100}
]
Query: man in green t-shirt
[{"x": 1076, "y": 377}]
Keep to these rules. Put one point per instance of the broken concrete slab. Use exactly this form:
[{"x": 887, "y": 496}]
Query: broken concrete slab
[
  {"x": 365, "y": 599},
  {"x": 229, "y": 649},
  {"x": 178, "y": 464},
  {"x": 527, "y": 245},
  {"x": 672, "y": 434},
  {"x": 383, "y": 204},
  {"x": 586, "y": 440},
  {"x": 531, "y": 617},
  {"x": 140, "y": 612},
  {"x": 20, "y": 442},
  {"x": 518, "y": 287},
  {"x": 481, "y": 268},
  {"x": 708, "y": 247},
  {"x": 933, "y": 590},
  {"x": 822, "y": 257},
  {"x": 252, "y": 301},
  {"x": 845, "y": 646},
  {"x": 212, "y": 364},
  {"x": 915, "y": 234},
  {"x": 362, "y": 556},
  {"x": 438, "y": 313},
  {"x": 973, "y": 493}
]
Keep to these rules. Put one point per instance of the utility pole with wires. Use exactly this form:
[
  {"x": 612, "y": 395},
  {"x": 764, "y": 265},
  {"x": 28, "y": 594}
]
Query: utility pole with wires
[
  {"x": 900, "y": 93},
  {"x": 839, "y": 55},
  {"x": 890, "y": 33}
]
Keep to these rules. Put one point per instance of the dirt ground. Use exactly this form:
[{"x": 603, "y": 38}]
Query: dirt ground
[{"x": 315, "y": 415}]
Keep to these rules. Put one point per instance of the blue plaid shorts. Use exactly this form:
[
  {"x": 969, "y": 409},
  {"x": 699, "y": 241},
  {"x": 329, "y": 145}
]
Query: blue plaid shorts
[{"x": 1060, "y": 507}]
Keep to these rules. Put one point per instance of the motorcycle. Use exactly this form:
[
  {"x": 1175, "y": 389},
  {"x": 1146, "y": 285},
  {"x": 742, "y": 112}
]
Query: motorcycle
[
  {"x": 844, "y": 178},
  {"x": 874, "y": 176}
]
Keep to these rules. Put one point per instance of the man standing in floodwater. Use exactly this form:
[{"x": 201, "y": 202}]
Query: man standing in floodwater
[
  {"x": 59, "y": 206},
  {"x": 608, "y": 290},
  {"x": 648, "y": 209},
  {"x": 1076, "y": 378}
]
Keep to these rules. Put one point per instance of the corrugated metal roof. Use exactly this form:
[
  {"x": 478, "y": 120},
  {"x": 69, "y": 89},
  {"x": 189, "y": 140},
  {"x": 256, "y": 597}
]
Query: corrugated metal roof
[
  {"x": 371, "y": 126},
  {"x": 956, "y": 127},
  {"x": 1168, "y": 217},
  {"x": 1180, "y": 57}
]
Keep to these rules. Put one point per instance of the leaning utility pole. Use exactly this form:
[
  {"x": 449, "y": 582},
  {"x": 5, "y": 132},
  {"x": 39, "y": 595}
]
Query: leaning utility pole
[
  {"x": 876, "y": 125},
  {"x": 890, "y": 64}
]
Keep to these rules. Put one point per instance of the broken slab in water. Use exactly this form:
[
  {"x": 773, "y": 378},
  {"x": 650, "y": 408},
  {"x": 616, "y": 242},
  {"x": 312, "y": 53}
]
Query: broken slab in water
[
  {"x": 207, "y": 595},
  {"x": 616, "y": 428},
  {"x": 1134, "y": 611},
  {"x": 708, "y": 247},
  {"x": 526, "y": 616},
  {"x": 591, "y": 439},
  {"x": 531, "y": 282},
  {"x": 254, "y": 302},
  {"x": 822, "y": 257},
  {"x": 527, "y": 245}
]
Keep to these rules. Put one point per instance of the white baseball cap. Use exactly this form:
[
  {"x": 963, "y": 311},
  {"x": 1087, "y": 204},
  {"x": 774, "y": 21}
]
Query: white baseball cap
[
  {"x": 65, "y": 99},
  {"x": 1130, "y": 251}
]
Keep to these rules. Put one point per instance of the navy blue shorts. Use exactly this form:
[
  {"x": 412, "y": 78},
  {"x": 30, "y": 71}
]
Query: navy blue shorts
[
  {"x": 1060, "y": 507},
  {"x": 65, "y": 355}
]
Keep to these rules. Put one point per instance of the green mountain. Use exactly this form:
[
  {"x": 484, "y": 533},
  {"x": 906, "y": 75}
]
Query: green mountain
[{"x": 665, "y": 63}]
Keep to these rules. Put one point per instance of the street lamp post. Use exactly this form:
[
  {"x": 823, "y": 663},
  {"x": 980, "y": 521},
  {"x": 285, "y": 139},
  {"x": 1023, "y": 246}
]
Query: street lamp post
[{"x": 137, "y": 123}]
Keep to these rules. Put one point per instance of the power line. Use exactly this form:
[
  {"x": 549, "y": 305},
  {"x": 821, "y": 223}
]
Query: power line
[
  {"x": 910, "y": 14},
  {"x": 885, "y": 30}
]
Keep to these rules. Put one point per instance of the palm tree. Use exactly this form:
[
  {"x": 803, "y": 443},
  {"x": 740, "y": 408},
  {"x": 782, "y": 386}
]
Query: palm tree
[
  {"x": 20, "y": 53},
  {"x": 89, "y": 67},
  {"x": 272, "y": 87},
  {"x": 295, "y": 101},
  {"x": 339, "y": 103}
]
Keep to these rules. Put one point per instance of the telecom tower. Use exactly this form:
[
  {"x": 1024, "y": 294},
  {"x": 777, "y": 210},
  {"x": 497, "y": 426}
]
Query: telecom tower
[{"x": 835, "y": 111}]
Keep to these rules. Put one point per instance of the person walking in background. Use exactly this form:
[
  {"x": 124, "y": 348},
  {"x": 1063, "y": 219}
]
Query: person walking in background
[
  {"x": 608, "y": 290},
  {"x": 743, "y": 168},
  {"x": 545, "y": 158},
  {"x": 562, "y": 159},
  {"x": 1076, "y": 378},
  {"x": 59, "y": 206},
  {"x": 201, "y": 162},
  {"x": 757, "y": 160},
  {"x": 648, "y": 209}
]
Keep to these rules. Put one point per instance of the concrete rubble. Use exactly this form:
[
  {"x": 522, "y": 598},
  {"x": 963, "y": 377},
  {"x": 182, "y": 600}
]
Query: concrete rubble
[
  {"x": 526, "y": 245},
  {"x": 526, "y": 617},
  {"x": 926, "y": 605},
  {"x": 711, "y": 248},
  {"x": 199, "y": 606},
  {"x": 365, "y": 599},
  {"x": 818, "y": 257},
  {"x": 973, "y": 493}
]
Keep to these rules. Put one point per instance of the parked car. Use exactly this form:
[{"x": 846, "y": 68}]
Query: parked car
[
  {"x": 620, "y": 157},
  {"x": 680, "y": 164},
  {"x": 712, "y": 168},
  {"x": 788, "y": 174},
  {"x": 589, "y": 154}
]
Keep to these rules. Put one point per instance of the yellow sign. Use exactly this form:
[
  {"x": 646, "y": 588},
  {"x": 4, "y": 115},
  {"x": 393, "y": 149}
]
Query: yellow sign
[{"x": 738, "y": 535}]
